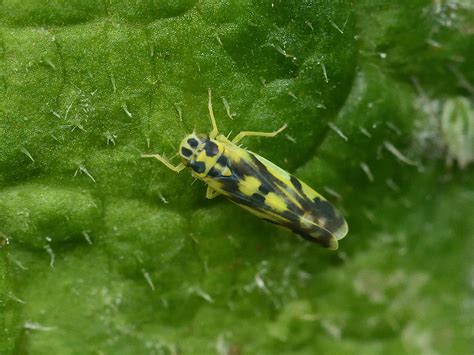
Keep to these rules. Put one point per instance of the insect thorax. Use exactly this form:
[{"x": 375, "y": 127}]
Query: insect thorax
[{"x": 200, "y": 153}]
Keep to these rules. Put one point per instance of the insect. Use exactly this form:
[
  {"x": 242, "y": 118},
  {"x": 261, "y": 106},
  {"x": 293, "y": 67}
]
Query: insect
[{"x": 258, "y": 185}]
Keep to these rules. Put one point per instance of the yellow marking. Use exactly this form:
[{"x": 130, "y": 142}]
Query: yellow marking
[
  {"x": 289, "y": 191},
  {"x": 202, "y": 156},
  {"x": 249, "y": 185},
  {"x": 226, "y": 171},
  {"x": 277, "y": 173},
  {"x": 220, "y": 168},
  {"x": 310, "y": 193},
  {"x": 234, "y": 153},
  {"x": 239, "y": 155},
  {"x": 275, "y": 202}
]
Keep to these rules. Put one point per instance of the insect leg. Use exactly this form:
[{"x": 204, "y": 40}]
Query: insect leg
[
  {"x": 214, "y": 132},
  {"x": 170, "y": 166},
  {"x": 210, "y": 193},
  {"x": 243, "y": 134}
]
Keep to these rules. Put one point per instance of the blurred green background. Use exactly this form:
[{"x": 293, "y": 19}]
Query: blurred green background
[{"x": 102, "y": 252}]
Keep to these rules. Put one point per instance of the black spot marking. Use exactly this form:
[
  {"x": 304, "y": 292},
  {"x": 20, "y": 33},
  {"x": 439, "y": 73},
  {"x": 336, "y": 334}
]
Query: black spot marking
[
  {"x": 265, "y": 188},
  {"x": 264, "y": 175},
  {"x": 185, "y": 152},
  {"x": 222, "y": 160},
  {"x": 325, "y": 209},
  {"x": 198, "y": 166},
  {"x": 193, "y": 143},
  {"x": 292, "y": 217},
  {"x": 258, "y": 198},
  {"x": 232, "y": 187},
  {"x": 305, "y": 203},
  {"x": 262, "y": 168},
  {"x": 211, "y": 148},
  {"x": 296, "y": 183},
  {"x": 213, "y": 172}
]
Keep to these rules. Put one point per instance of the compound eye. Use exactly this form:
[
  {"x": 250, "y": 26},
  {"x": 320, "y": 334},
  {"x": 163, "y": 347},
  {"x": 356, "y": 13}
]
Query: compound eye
[{"x": 193, "y": 143}]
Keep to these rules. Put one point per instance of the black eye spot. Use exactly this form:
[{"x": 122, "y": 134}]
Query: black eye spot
[
  {"x": 193, "y": 143},
  {"x": 185, "y": 152},
  {"x": 211, "y": 148},
  {"x": 198, "y": 166}
]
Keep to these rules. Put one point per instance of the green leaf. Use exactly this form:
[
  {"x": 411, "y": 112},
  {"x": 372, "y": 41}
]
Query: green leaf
[{"x": 104, "y": 252}]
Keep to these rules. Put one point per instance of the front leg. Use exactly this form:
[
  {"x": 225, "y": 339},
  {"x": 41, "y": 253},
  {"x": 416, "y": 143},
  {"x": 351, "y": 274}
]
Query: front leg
[
  {"x": 165, "y": 162},
  {"x": 210, "y": 193}
]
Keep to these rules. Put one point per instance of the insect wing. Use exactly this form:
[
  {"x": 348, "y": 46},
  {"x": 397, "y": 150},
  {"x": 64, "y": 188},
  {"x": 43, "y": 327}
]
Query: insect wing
[
  {"x": 274, "y": 195},
  {"x": 317, "y": 208}
]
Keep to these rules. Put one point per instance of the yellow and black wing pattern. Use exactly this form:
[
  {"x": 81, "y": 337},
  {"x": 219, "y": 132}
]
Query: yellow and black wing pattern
[{"x": 276, "y": 196}]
